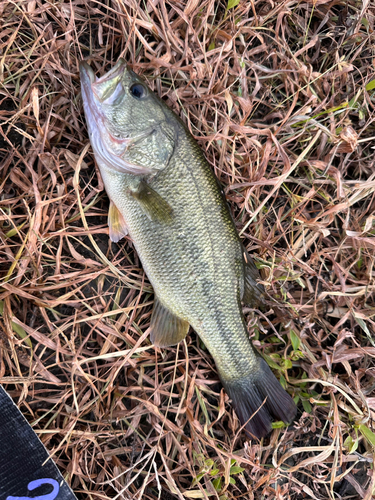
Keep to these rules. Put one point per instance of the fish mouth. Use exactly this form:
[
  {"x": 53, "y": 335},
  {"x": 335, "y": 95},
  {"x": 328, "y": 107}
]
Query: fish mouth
[
  {"x": 88, "y": 77},
  {"x": 107, "y": 87},
  {"x": 86, "y": 73},
  {"x": 114, "y": 73}
]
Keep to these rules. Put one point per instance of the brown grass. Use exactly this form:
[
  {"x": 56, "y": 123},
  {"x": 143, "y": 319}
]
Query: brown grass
[{"x": 275, "y": 94}]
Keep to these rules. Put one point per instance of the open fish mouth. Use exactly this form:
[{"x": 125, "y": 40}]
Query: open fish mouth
[
  {"x": 103, "y": 86},
  {"x": 109, "y": 150}
]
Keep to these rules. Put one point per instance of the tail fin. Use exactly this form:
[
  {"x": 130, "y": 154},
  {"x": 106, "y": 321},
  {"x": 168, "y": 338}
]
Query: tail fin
[{"x": 259, "y": 397}]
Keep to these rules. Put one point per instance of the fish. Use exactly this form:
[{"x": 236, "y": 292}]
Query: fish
[{"x": 164, "y": 195}]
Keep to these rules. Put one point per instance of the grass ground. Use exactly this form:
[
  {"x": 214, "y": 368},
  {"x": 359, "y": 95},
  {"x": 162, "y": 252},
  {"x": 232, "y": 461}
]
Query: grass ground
[{"x": 281, "y": 98}]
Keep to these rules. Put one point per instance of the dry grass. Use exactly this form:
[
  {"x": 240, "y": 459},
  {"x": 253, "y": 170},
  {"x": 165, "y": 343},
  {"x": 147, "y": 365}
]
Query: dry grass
[{"x": 279, "y": 96}]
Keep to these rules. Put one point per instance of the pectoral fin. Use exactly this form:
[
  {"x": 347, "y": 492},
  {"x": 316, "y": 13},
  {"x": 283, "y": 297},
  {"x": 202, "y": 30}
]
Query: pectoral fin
[
  {"x": 166, "y": 328},
  {"x": 154, "y": 206},
  {"x": 116, "y": 223},
  {"x": 253, "y": 291}
]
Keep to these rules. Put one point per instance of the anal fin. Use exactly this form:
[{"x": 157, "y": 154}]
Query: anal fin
[
  {"x": 116, "y": 223},
  {"x": 155, "y": 207},
  {"x": 166, "y": 328}
]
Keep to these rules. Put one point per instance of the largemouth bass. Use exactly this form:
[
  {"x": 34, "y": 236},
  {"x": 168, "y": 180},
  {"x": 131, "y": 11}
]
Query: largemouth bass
[{"x": 164, "y": 195}]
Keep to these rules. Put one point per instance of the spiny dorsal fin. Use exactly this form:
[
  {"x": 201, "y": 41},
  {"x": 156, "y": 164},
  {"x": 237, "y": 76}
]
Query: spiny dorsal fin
[
  {"x": 166, "y": 328},
  {"x": 253, "y": 291},
  {"x": 154, "y": 206},
  {"x": 116, "y": 223}
]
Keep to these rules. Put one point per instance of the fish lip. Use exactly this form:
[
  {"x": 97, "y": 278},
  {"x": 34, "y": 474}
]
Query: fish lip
[
  {"x": 89, "y": 82},
  {"x": 87, "y": 77},
  {"x": 114, "y": 75},
  {"x": 86, "y": 73},
  {"x": 118, "y": 69}
]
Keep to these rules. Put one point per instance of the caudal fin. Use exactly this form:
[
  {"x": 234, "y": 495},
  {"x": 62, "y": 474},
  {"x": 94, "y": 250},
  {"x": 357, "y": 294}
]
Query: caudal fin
[{"x": 258, "y": 399}]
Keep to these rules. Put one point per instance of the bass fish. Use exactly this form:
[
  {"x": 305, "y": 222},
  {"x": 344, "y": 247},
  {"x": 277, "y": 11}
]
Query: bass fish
[{"x": 164, "y": 195}]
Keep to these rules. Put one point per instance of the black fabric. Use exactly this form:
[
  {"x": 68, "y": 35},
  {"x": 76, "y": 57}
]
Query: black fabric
[{"x": 26, "y": 471}]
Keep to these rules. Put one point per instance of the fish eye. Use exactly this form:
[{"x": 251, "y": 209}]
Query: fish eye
[{"x": 137, "y": 90}]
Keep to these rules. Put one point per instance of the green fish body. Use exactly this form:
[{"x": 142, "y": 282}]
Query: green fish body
[{"x": 165, "y": 196}]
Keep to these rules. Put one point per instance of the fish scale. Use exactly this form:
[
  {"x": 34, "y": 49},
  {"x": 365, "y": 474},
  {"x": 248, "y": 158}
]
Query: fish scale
[{"x": 164, "y": 195}]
